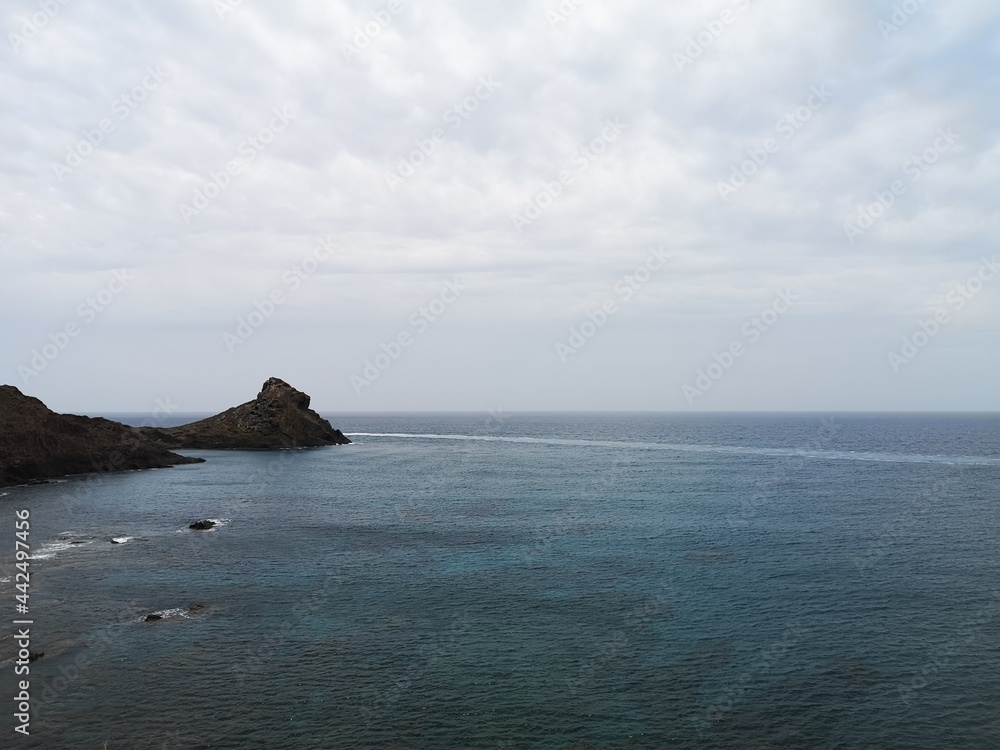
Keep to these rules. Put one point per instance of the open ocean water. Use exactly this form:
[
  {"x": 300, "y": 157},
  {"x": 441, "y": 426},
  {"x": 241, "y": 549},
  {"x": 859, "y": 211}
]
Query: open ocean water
[{"x": 528, "y": 581}]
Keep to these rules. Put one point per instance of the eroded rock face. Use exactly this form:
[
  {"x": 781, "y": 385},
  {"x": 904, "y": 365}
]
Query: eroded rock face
[
  {"x": 38, "y": 444},
  {"x": 278, "y": 418}
]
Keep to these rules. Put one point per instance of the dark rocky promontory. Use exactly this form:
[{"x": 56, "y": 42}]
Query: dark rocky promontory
[
  {"x": 279, "y": 418},
  {"x": 38, "y": 444}
]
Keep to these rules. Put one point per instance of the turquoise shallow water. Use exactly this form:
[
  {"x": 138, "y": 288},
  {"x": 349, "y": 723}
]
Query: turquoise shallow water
[{"x": 540, "y": 581}]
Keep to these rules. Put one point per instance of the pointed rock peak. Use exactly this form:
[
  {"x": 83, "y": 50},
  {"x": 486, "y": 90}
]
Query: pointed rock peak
[
  {"x": 274, "y": 383},
  {"x": 276, "y": 389}
]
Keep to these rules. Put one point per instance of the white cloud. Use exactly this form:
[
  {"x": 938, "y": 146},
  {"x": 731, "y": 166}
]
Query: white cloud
[{"x": 358, "y": 114}]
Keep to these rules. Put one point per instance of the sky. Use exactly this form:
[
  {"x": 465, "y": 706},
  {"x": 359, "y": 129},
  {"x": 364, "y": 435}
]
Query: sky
[{"x": 731, "y": 205}]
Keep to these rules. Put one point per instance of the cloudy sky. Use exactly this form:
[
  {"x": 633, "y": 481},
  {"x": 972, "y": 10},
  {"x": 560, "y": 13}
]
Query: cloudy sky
[{"x": 721, "y": 205}]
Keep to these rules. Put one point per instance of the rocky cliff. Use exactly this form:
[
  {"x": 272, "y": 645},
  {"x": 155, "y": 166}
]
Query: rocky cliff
[
  {"x": 278, "y": 418},
  {"x": 36, "y": 443}
]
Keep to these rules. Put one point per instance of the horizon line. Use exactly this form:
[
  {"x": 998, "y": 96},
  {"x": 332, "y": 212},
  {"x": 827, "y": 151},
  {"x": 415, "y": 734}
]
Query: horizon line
[{"x": 600, "y": 411}]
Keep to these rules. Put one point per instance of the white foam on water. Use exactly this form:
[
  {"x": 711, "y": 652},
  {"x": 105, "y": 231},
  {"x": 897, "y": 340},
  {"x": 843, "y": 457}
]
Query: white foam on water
[
  {"x": 174, "y": 612},
  {"x": 123, "y": 539},
  {"x": 48, "y": 550},
  {"x": 902, "y": 458}
]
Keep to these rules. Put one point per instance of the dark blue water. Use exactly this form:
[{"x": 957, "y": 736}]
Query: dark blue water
[{"x": 530, "y": 581}]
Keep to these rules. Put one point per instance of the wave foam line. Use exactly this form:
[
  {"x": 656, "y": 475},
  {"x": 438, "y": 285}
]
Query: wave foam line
[{"x": 905, "y": 458}]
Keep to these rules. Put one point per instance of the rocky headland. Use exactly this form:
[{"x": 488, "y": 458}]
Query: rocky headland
[
  {"x": 279, "y": 418},
  {"x": 37, "y": 444}
]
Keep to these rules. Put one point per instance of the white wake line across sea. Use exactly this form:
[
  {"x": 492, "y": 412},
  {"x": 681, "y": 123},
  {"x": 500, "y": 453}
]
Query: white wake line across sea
[{"x": 900, "y": 458}]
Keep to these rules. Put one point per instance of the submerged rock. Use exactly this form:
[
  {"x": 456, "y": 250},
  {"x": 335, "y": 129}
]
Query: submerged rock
[
  {"x": 37, "y": 444},
  {"x": 202, "y": 525},
  {"x": 176, "y": 613},
  {"x": 279, "y": 418}
]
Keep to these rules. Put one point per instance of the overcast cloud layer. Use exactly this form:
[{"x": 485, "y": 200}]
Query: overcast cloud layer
[{"x": 526, "y": 205}]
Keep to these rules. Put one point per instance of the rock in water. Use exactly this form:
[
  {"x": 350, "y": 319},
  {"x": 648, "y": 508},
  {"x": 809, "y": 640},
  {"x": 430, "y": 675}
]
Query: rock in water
[
  {"x": 37, "y": 444},
  {"x": 202, "y": 525},
  {"x": 278, "y": 418}
]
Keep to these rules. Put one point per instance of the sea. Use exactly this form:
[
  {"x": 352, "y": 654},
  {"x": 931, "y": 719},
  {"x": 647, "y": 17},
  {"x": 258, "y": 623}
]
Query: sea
[{"x": 543, "y": 581}]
